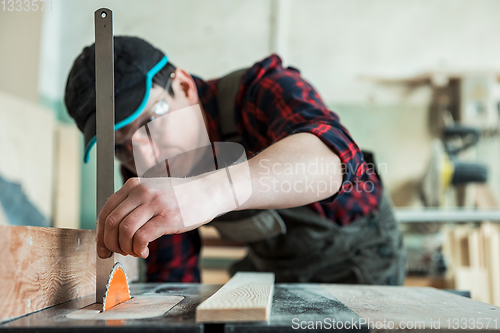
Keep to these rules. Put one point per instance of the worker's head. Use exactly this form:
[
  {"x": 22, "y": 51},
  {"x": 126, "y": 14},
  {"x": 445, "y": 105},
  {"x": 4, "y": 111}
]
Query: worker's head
[{"x": 147, "y": 85}]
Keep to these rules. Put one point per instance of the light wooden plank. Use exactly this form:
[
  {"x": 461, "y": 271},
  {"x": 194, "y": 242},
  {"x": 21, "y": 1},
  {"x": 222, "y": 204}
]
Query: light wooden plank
[
  {"x": 494, "y": 262},
  {"x": 210, "y": 237},
  {"x": 491, "y": 234},
  {"x": 425, "y": 281},
  {"x": 449, "y": 254},
  {"x": 208, "y": 232},
  {"x": 67, "y": 177},
  {"x": 236, "y": 253},
  {"x": 246, "y": 297},
  {"x": 214, "y": 276},
  {"x": 461, "y": 245},
  {"x": 475, "y": 280},
  {"x": 139, "y": 307},
  {"x": 423, "y": 308},
  {"x": 41, "y": 267},
  {"x": 485, "y": 197},
  {"x": 476, "y": 255}
]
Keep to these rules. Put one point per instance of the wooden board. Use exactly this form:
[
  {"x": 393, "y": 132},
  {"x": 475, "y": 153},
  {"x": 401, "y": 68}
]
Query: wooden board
[
  {"x": 67, "y": 175},
  {"x": 219, "y": 252},
  {"x": 485, "y": 197},
  {"x": 214, "y": 276},
  {"x": 461, "y": 245},
  {"x": 491, "y": 236},
  {"x": 246, "y": 297},
  {"x": 494, "y": 264},
  {"x": 425, "y": 281},
  {"x": 41, "y": 267},
  {"x": 424, "y": 308},
  {"x": 210, "y": 237},
  {"x": 475, "y": 280},
  {"x": 476, "y": 253},
  {"x": 139, "y": 307},
  {"x": 448, "y": 251}
]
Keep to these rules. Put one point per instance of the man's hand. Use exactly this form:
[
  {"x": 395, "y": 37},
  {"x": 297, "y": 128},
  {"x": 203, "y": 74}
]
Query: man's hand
[{"x": 146, "y": 209}]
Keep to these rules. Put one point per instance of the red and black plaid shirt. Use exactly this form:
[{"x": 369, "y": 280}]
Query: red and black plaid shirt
[{"x": 273, "y": 102}]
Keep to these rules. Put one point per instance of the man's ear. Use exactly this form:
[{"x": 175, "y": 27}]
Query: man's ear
[{"x": 184, "y": 85}]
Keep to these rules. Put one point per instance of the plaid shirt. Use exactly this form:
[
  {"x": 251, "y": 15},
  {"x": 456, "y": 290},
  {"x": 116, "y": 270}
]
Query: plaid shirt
[{"x": 274, "y": 102}]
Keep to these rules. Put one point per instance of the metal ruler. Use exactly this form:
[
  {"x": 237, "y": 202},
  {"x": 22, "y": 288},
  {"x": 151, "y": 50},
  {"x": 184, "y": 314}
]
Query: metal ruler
[{"x": 105, "y": 145}]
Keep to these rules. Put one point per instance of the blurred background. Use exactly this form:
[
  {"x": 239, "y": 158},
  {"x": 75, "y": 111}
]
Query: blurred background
[{"x": 416, "y": 82}]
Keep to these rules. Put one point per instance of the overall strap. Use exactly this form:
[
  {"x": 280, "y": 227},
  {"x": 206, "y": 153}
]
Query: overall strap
[
  {"x": 246, "y": 225},
  {"x": 227, "y": 90}
]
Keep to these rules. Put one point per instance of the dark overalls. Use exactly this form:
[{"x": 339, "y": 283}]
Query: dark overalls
[{"x": 298, "y": 245}]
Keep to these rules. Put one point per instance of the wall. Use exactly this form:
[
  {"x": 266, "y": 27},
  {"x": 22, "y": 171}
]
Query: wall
[
  {"x": 19, "y": 53},
  {"x": 334, "y": 42},
  {"x": 26, "y": 149},
  {"x": 25, "y": 127}
]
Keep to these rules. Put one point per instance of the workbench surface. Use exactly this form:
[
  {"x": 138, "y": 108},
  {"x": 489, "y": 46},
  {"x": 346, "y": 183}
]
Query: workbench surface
[{"x": 359, "y": 308}]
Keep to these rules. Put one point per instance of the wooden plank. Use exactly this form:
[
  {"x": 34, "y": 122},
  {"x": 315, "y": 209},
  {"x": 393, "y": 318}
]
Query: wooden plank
[
  {"x": 67, "y": 177},
  {"x": 41, "y": 267},
  {"x": 236, "y": 253},
  {"x": 210, "y": 237},
  {"x": 422, "y": 308},
  {"x": 476, "y": 255},
  {"x": 485, "y": 197},
  {"x": 139, "y": 307},
  {"x": 425, "y": 281},
  {"x": 475, "y": 280},
  {"x": 461, "y": 245},
  {"x": 246, "y": 297},
  {"x": 494, "y": 261},
  {"x": 449, "y": 255},
  {"x": 491, "y": 234},
  {"x": 214, "y": 276}
]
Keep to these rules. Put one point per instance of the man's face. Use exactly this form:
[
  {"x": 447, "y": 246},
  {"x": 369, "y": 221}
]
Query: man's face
[{"x": 171, "y": 134}]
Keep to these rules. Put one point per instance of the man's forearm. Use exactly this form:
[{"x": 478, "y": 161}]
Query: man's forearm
[{"x": 295, "y": 171}]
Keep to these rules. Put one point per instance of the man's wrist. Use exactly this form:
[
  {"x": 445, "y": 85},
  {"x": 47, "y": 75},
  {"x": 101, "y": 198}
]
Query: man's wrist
[{"x": 218, "y": 191}]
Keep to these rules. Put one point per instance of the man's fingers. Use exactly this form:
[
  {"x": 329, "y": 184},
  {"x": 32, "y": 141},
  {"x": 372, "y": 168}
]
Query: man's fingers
[
  {"x": 113, "y": 221},
  {"x": 118, "y": 197},
  {"x": 130, "y": 224},
  {"x": 146, "y": 234},
  {"x": 102, "y": 251}
]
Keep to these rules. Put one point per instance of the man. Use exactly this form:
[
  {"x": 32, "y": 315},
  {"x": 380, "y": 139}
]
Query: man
[{"x": 316, "y": 213}]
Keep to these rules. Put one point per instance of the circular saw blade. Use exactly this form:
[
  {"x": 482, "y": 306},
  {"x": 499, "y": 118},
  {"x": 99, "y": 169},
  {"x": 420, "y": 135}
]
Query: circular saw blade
[{"x": 117, "y": 289}]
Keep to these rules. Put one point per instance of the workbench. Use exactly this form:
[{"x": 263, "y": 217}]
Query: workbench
[{"x": 293, "y": 305}]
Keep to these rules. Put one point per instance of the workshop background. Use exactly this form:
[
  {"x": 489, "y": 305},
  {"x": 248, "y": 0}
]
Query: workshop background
[{"x": 416, "y": 82}]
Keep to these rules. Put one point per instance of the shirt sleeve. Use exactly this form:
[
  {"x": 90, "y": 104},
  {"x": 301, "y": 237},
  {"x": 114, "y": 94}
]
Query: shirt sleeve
[{"x": 291, "y": 105}]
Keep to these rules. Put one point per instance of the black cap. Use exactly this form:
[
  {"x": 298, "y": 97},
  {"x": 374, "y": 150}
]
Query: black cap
[{"x": 135, "y": 63}]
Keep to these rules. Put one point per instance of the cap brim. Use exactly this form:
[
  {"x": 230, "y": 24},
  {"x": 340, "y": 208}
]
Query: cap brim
[{"x": 126, "y": 102}]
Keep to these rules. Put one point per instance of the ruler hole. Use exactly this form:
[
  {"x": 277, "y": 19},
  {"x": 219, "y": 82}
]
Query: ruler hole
[{"x": 103, "y": 14}]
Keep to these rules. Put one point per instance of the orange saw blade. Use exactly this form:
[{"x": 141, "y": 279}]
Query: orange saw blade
[{"x": 117, "y": 290}]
